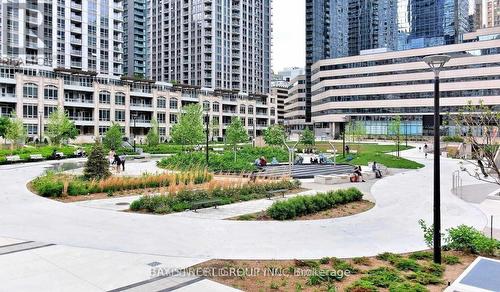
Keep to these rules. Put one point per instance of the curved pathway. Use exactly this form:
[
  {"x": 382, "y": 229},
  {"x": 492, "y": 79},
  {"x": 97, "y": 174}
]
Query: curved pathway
[{"x": 392, "y": 225}]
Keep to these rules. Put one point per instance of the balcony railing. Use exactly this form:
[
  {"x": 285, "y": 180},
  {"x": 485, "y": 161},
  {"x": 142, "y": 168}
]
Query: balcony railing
[{"x": 81, "y": 118}]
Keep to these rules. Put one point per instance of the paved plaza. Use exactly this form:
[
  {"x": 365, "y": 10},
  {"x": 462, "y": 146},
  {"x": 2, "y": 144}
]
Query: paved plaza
[{"x": 84, "y": 243}]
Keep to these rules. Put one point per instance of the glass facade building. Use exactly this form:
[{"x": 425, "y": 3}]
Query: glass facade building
[
  {"x": 135, "y": 37},
  {"x": 340, "y": 28}
]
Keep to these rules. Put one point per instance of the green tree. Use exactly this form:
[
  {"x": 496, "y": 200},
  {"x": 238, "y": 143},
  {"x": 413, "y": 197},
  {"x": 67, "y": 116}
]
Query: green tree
[
  {"x": 394, "y": 130},
  {"x": 113, "y": 137},
  {"x": 356, "y": 130},
  {"x": 236, "y": 133},
  {"x": 4, "y": 126},
  {"x": 16, "y": 133},
  {"x": 189, "y": 129},
  {"x": 274, "y": 135},
  {"x": 97, "y": 165},
  {"x": 60, "y": 128},
  {"x": 153, "y": 137},
  {"x": 307, "y": 138}
]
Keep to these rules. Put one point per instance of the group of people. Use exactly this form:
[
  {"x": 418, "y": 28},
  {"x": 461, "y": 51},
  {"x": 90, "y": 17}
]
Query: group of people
[
  {"x": 261, "y": 162},
  {"x": 357, "y": 174},
  {"x": 118, "y": 160},
  {"x": 320, "y": 159}
]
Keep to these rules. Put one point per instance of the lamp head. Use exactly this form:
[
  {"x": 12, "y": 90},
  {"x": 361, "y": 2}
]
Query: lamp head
[{"x": 436, "y": 62}]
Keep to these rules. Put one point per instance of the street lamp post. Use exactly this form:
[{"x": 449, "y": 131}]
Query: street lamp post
[
  {"x": 134, "y": 117},
  {"x": 40, "y": 114},
  {"x": 436, "y": 63},
  {"x": 207, "y": 119}
]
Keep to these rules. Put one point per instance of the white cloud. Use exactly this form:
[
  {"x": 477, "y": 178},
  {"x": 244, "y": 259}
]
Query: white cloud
[{"x": 289, "y": 30}]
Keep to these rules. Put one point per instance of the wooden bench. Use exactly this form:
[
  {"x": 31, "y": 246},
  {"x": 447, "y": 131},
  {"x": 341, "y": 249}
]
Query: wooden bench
[
  {"x": 271, "y": 194},
  {"x": 205, "y": 203},
  {"x": 13, "y": 158},
  {"x": 35, "y": 157}
]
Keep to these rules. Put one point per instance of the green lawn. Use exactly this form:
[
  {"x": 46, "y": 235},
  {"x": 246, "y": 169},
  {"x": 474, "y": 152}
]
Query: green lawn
[{"x": 373, "y": 152}]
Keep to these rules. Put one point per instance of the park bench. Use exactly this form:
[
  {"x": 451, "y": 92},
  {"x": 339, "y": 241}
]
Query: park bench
[
  {"x": 35, "y": 157},
  {"x": 13, "y": 158},
  {"x": 205, "y": 203},
  {"x": 271, "y": 194},
  {"x": 218, "y": 149}
]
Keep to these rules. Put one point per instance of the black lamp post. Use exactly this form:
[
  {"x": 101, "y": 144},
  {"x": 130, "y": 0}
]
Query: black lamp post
[
  {"x": 207, "y": 121},
  {"x": 40, "y": 127},
  {"x": 134, "y": 117},
  {"x": 436, "y": 63}
]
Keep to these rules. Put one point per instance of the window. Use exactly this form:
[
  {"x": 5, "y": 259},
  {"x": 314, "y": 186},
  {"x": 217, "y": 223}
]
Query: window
[
  {"x": 50, "y": 92},
  {"x": 162, "y": 131},
  {"x": 173, "y": 103},
  {"x": 31, "y": 129},
  {"x": 104, "y": 97},
  {"x": 250, "y": 110},
  {"x": 119, "y": 98},
  {"x": 250, "y": 122},
  {"x": 161, "y": 117},
  {"x": 161, "y": 102},
  {"x": 30, "y": 90},
  {"x": 103, "y": 130},
  {"x": 206, "y": 105},
  {"x": 242, "y": 109},
  {"x": 173, "y": 118},
  {"x": 215, "y": 107},
  {"x": 48, "y": 109},
  {"x": 273, "y": 111},
  {"x": 104, "y": 115},
  {"x": 30, "y": 111},
  {"x": 119, "y": 116}
]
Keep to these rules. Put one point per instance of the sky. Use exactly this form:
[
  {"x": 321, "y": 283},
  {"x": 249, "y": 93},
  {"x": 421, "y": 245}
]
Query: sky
[{"x": 288, "y": 34}]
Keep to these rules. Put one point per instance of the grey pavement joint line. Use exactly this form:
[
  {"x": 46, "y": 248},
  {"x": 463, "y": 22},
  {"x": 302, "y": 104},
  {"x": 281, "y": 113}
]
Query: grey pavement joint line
[
  {"x": 13, "y": 244},
  {"x": 145, "y": 282},
  {"x": 181, "y": 285},
  {"x": 21, "y": 248}
]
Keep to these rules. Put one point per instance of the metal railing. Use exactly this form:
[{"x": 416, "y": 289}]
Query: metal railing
[{"x": 457, "y": 184}]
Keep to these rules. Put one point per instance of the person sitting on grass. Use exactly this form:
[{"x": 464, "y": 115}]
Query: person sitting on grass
[{"x": 274, "y": 161}]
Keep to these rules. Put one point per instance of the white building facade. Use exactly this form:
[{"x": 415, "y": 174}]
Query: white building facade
[
  {"x": 94, "y": 103},
  {"x": 374, "y": 88},
  {"x": 211, "y": 44},
  {"x": 81, "y": 35}
]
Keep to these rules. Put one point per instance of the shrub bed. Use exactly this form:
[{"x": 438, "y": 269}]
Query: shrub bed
[
  {"x": 182, "y": 200},
  {"x": 25, "y": 152},
  {"x": 53, "y": 185},
  {"x": 224, "y": 161},
  {"x": 304, "y": 205},
  {"x": 464, "y": 238}
]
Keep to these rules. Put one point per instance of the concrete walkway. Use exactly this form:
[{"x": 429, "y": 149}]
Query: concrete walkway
[{"x": 391, "y": 225}]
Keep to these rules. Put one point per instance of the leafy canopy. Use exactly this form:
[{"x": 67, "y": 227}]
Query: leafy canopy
[
  {"x": 274, "y": 135},
  {"x": 16, "y": 133},
  {"x": 307, "y": 138},
  {"x": 153, "y": 137},
  {"x": 4, "y": 125},
  {"x": 113, "y": 137},
  {"x": 60, "y": 128},
  {"x": 189, "y": 129},
  {"x": 236, "y": 133}
]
